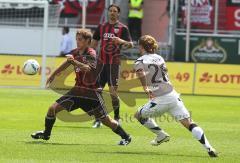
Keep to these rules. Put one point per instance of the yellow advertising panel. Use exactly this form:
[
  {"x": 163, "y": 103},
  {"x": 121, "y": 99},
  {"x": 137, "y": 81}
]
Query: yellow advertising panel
[
  {"x": 217, "y": 79},
  {"x": 181, "y": 75},
  {"x": 210, "y": 79},
  {"x": 70, "y": 80},
  {"x": 128, "y": 80},
  {"x": 11, "y": 71}
]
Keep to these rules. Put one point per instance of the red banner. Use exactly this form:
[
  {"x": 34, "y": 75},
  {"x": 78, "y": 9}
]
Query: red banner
[
  {"x": 233, "y": 18},
  {"x": 73, "y": 8},
  {"x": 202, "y": 14}
]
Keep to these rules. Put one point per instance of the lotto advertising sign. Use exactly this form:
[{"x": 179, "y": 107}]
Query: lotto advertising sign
[
  {"x": 11, "y": 73},
  {"x": 128, "y": 78},
  {"x": 217, "y": 79},
  {"x": 181, "y": 75},
  {"x": 187, "y": 78}
]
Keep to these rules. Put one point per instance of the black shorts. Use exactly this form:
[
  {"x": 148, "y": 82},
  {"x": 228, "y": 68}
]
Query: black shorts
[
  {"x": 92, "y": 105},
  {"x": 109, "y": 73}
]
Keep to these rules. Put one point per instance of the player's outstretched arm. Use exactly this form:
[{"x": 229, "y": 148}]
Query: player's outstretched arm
[
  {"x": 74, "y": 62},
  {"x": 82, "y": 66},
  {"x": 142, "y": 77},
  {"x": 119, "y": 41}
]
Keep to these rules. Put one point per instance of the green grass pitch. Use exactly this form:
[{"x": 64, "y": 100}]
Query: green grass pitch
[{"x": 22, "y": 112}]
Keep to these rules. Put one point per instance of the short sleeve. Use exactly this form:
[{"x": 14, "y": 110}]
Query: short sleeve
[
  {"x": 96, "y": 35},
  {"x": 138, "y": 65},
  {"x": 126, "y": 34},
  {"x": 92, "y": 60}
]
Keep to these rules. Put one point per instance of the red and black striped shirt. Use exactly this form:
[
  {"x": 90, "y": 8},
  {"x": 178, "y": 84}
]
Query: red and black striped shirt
[
  {"x": 85, "y": 79},
  {"x": 110, "y": 52}
]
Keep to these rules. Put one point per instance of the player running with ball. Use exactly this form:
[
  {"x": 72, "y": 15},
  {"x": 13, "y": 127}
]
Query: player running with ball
[
  {"x": 152, "y": 72},
  {"x": 84, "y": 94}
]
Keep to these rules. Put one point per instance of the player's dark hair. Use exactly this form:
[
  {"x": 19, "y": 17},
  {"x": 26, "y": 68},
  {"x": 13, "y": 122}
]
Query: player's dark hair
[
  {"x": 149, "y": 43},
  {"x": 66, "y": 29},
  {"x": 85, "y": 33},
  {"x": 114, "y": 5}
]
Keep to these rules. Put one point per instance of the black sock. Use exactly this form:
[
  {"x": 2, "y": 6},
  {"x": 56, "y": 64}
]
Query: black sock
[
  {"x": 116, "y": 106},
  {"x": 97, "y": 120},
  {"x": 120, "y": 131},
  {"x": 49, "y": 122}
]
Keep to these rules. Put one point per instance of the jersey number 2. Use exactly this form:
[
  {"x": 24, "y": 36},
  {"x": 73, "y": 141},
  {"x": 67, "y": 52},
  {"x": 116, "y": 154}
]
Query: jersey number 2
[{"x": 163, "y": 74}]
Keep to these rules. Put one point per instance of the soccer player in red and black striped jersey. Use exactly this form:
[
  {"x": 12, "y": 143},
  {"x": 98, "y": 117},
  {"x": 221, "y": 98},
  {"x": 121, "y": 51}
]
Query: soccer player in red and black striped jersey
[
  {"x": 85, "y": 93},
  {"x": 112, "y": 35}
]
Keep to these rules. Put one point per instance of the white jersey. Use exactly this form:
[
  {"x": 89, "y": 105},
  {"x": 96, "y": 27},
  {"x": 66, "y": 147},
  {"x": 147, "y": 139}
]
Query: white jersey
[{"x": 155, "y": 70}]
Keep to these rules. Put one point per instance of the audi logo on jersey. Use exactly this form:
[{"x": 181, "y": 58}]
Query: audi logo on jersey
[{"x": 107, "y": 36}]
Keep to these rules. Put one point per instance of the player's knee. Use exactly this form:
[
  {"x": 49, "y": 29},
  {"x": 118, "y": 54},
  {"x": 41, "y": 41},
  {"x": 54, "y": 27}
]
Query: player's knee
[
  {"x": 113, "y": 91},
  {"x": 137, "y": 115},
  {"x": 142, "y": 120},
  {"x": 109, "y": 122},
  {"x": 52, "y": 110},
  {"x": 187, "y": 122},
  {"x": 114, "y": 97},
  {"x": 105, "y": 120},
  {"x": 191, "y": 126}
]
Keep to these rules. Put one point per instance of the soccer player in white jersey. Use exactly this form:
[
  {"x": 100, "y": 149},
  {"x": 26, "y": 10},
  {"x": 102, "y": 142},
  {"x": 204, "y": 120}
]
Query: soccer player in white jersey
[{"x": 152, "y": 72}]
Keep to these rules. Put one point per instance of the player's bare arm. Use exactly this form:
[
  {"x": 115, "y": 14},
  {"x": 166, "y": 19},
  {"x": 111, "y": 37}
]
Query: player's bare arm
[
  {"x": 82, "y": 66},
  {"x": 122, "y": 42},
  {"x": 142, "y": 77}
]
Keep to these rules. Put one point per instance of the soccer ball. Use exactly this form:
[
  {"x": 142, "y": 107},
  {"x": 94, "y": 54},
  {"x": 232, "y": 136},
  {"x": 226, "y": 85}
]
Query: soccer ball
[{"x": 30, "y": 67}]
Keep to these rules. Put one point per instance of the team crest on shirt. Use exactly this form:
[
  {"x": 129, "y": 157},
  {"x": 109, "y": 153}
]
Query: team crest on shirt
[
  {"x": 84, "y": 58},
  {"x": 77, "y": 69}
]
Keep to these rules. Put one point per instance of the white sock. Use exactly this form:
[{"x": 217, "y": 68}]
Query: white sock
[{"x": 198, "y": 133}]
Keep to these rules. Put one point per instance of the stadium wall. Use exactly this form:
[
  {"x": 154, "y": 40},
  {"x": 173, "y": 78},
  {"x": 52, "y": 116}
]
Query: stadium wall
[
  {"x": 27, "y": 41},
  {"x": 188, "y": 78},
  {"x": 155, "y": 20}
]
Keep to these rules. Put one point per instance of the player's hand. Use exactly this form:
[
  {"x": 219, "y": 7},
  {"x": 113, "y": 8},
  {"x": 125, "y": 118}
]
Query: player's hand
[
  {"x": 85, "y": 67},
  {"x": 117, "y": 40},
  {"x": 82, "y": 66},
  {"x": 149, "y": 93},
  {"x": 69, "y": 57}
]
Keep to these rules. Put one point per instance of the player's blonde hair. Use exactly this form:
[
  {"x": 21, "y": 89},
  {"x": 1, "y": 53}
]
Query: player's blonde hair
[
  {"x": 85, "y": 33},
  {"x": 149, "y": 43}
]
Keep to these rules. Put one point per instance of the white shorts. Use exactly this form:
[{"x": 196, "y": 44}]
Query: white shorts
[{"x": 170, "y": 103}]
